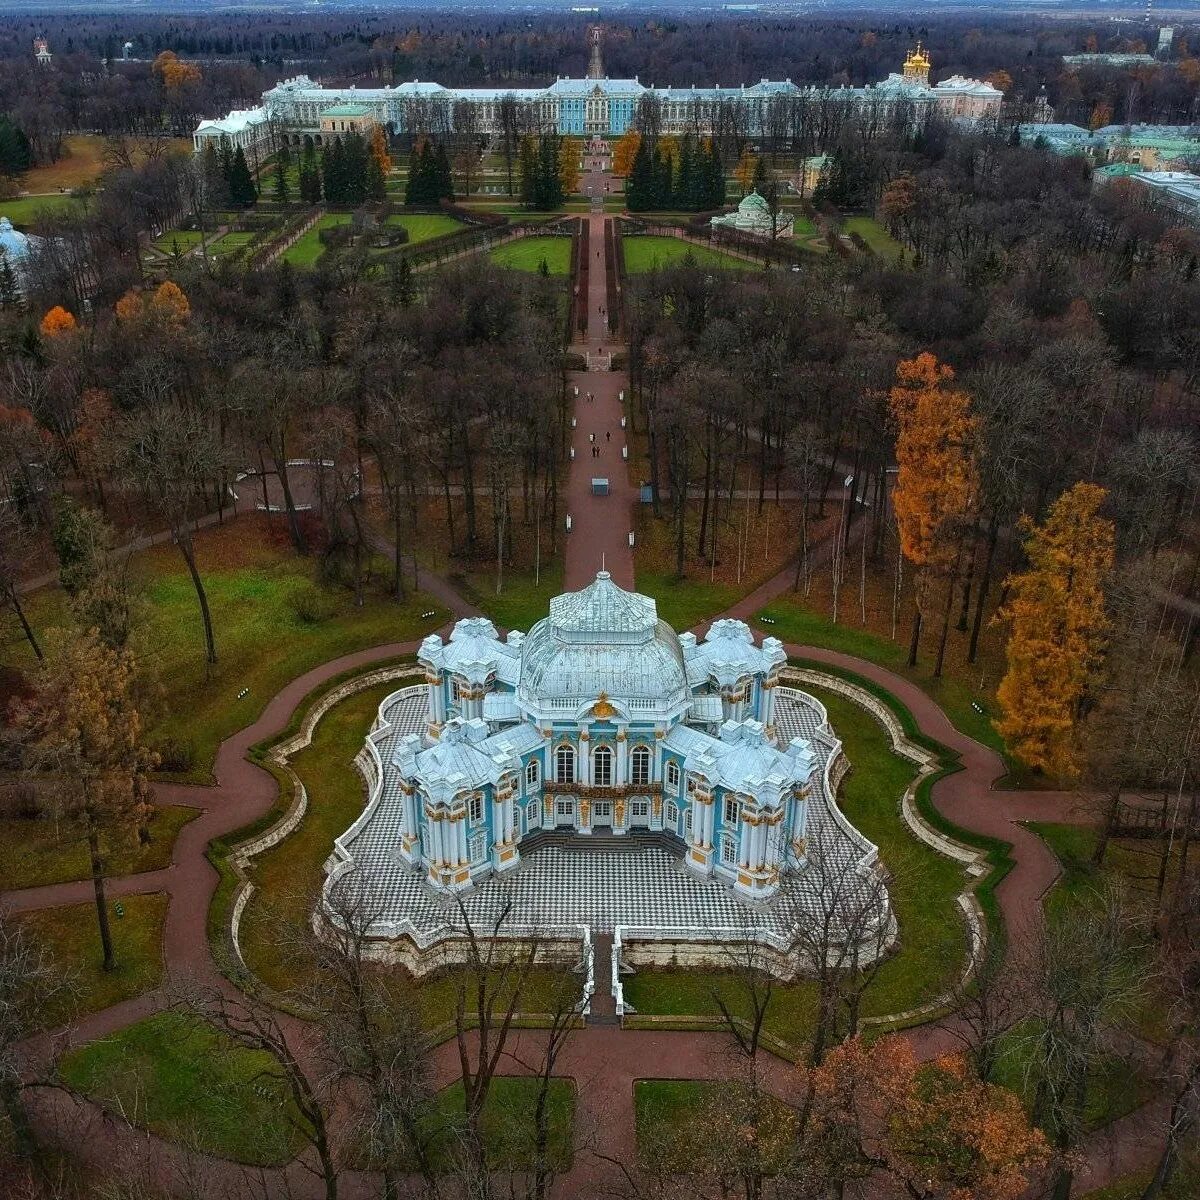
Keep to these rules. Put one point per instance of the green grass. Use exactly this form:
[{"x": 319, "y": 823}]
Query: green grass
[
  {"x": 1113, "y": 1088},
  {"x": 803, "y": 227},
  {"x": 38, "y": 851},
  {"x": 521, "y": 603},
  {"x": 423, "y": 226},
  {"x": 875, "y": 236},
  {"x": 683, "y": 603},
  {"x": 509, "y": 1132},
  {"x": 791, "y": 621},
  {"x": 179, "y": 241},
  {"x": 1185, "y": 1185},
  {"x": 527, "y": 254},
  {"x": 182, "y": 1079},
  {"x": 924, "y": 891},
  {"x": 646, "y": 252},
  {"x": 305, "y": 251},
  {"x": 230, "y": 243},
  {"x": 252, "y": 580},
  {"x": 23, "y": 211},
  {"x": 71, "y": 935},
  {"x": 673, "y": 1117},
  {"x": 289, "y": 875}
]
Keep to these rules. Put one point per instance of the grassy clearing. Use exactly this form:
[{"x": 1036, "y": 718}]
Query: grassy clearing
[
  {"x": 305, "y": 250},
  {"x": 255, "y": 584},
  {"x": 685, "y": 602},
  {"x": 521, "y": 603},
  {"x": 231, "y": 243},
  {"x": 932, "y": 938},
  {"x": 24, "y": 211},
  {"x": 72, "y": 937},
  {"x": 1185, "y": 1185},
  {"x": 875, "y": 236},
  {"x": 646, "y": 252},
  {"x": 180, "y": 241},
  {"x": 793, "y": 619},
  {"x": 39, "y": 850},
  {"x": 528, "y": 254},
  {"x": 509, "y": 1132},
  {"x": 180, "y": 1078},
  {"x": 423, "y": 226},
  {"x": 672, "y": 1119}
]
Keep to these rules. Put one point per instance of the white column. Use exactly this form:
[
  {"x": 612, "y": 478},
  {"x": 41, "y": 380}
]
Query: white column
[
  {"x": 463, "y": 856},
  {"x": 760, "y": 856},
  {"x": 434, "y": 827},
  {"x": 747, "y": 832},
  {"x": 710, "y": 821},
  {"x": 584, "y": 762},
  {"x": 622, "y": 776}
]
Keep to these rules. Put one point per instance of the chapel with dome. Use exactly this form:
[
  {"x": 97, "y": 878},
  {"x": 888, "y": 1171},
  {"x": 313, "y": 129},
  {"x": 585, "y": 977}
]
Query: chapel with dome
[
  {"x": 602, "y": 721},
  {"x": 754, "y": 216}
]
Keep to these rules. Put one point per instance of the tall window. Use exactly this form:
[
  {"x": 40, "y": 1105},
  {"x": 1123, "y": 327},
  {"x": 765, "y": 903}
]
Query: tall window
[
  {"x": 476, "y": 807},
  {"x": 731, "y": 811},
  {"x": 672, "y": 814},
  {"x": 564, "y": 764},
  {"x": 729, "y": 850},
  {"x": 602, "y": 766},
  {"x": 533, "y": 772},
  {"x": 639, "y": 766},
  {"x": 672, "y": 773},
  {"x": 533, "y": 815}
]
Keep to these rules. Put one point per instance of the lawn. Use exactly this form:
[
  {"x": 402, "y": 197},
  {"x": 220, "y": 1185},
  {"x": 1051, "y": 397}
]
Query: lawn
[
  {"x": 508, "y": 1124},
  {"x": 686, "y": 602},
  {"x": 673, "y": 1121},
  {"x": 646, "y": 252},
  {"x": 231, "y": 243},
  {"x": 423, "y": 226},
  {"x": 39, "y": 850},
  {"x": 791, "y": 619},
  {"x": 180, "y": 241},
  {"x": 81, "y": 163},
  {"x": 23, "y": 211},
  {"x": 305, "y": 250},
  {"x": 71, "y": 935},
  {"x": 255, "y": 587},
  {"x": 179, "y": 1077},
  {"x": 521, "y": 603},
  {"x": 875, "y": 236},
  {"x": 528, "y": 254},
  {"x": 924, "y": 891},
  {"x": 1184, "y": 1186}
]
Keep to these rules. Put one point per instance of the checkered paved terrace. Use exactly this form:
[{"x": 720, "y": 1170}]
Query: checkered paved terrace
[{"x": 562, "y": 887}]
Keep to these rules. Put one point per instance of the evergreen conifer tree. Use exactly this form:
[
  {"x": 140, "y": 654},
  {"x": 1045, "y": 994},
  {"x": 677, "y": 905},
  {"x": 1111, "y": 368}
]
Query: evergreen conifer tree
[
  {"x": 242, "y": 192},
  {"x": 282, "y": 191},
  {"x": 376, "y": 184},
  {"x": 529, "y": 169},
  {"x": 639, "y": 190},
  {"x": 16, "y": 155},
  {"x": 10, "y": 290},
  {"x": 333, "y": 175},
  {"x": 443, "y": 179},
  {"x": 412, "y": 185}
]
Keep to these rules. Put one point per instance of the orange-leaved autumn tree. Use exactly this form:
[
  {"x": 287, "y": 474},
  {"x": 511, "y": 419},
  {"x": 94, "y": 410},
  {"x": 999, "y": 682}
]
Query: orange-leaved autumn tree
[
  {"x": 624, "y": 151},
  {"x": 745, "y": 169},
  {"x": 1056, "y": 612},
  {"x": 935, "y": 1128},
  {"x": 82, "y": 734},
  {"x": 570, "y": 149},
  {"x": 174, "y": 72},
  {"x": 57, "y": 321},
  {"x": 166, "y": 305},
  {"x": 937, "y": 482},
  {"x": 379, "y": 150}
]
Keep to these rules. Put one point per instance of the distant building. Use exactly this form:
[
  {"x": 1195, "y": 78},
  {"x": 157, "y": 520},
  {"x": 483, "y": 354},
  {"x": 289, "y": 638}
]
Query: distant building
[
  {"x": 1166, "y": 35},
  {"x": 606, "y": 107},
  {"x": 249, "y": 128},
  {"x": 348, "y": 118},
  {"x": 754, "y": 216},
  {"x": 1176, "y": 190},
  {"x": 1077, "y": 62},
  {"x": 1148, "y": 146},
  {"x": 41, "y": 52}
]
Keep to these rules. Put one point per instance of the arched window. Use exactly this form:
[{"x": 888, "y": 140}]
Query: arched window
[
  {"x": 564, "y": 764},
  {"x": 672, "y": 773},
  {"x": 639, "y": 766},
  {"x": 533, "y": 773},
  {"x": 602, "y": 766},
  {"x": 672, "y": 814},
  {"x": 533, "y": 815}
]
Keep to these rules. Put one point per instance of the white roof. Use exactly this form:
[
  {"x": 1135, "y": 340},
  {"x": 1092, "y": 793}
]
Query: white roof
[
  {"x": 13, "y": 242},
  {"x": 235, "y": 122}
]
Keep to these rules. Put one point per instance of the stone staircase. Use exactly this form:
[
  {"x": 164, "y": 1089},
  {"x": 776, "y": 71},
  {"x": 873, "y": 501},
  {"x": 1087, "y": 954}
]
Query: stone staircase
[
  {"x": 602, "y": 841},
  {"x": 604, "y": 1005}
]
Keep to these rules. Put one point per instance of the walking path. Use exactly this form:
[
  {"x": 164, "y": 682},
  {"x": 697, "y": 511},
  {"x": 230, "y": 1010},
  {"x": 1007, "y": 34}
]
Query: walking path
[{"x": 603, "y": 1059}]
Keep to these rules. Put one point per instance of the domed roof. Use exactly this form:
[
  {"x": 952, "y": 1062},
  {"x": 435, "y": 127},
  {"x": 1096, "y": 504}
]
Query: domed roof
[
  {"x": 753, "y": 202},
  {"x": 14, "y": 243},
  {"x": 602, "y": 639}
]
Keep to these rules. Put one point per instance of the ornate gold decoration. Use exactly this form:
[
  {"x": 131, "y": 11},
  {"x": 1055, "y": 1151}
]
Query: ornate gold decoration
[
  {"x": 584, "y": 808},
  {"x": 657, "y": 805},
  {"x": 620, "y": 735},
  {"x": 619, "y": 811},
  {"x": 602, "y": 710}
]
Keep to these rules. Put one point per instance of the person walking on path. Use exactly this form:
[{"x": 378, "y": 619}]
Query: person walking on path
[{"x": 608, "y": 435}]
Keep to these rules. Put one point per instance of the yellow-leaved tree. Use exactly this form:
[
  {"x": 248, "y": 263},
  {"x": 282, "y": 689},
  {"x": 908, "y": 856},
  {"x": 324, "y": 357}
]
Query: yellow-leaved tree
[
  {"x": 937, "y": 481},
  {"x": 624, "y": 152},
  {"x": 745, "y": 169},
  {"x": 1058, "y": 628},
  {"x": 570, "y": 150},
  {"x": 82, "y": 735}
]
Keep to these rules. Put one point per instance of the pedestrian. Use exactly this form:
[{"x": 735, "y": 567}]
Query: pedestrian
[
  {"x": 608, "y": 435},
  {"x": 591, "y": 437}
]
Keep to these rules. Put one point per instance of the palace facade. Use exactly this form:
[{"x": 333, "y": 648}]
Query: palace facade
[{"x": 588, "y": 107}]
